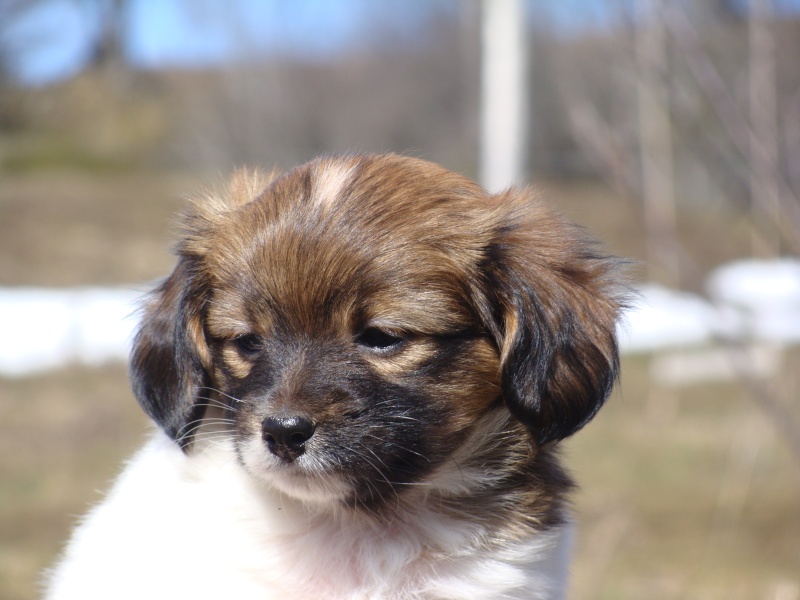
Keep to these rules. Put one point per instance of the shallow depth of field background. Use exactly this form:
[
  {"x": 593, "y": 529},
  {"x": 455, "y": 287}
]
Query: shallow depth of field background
[{"x": 671, "y": 131}]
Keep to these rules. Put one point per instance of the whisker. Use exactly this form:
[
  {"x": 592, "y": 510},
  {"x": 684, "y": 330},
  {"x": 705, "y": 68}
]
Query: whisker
[
  {"x": 207, "y": 436},
  {"x": 218, "y": 421},
  {"x": 392, "y": 484},
  {"x": 407, "y": 418},
  {"x": 212, "y": 389},
  {"x": 215, "y": 403},
  {"x": 189, "y": 428},
  {"x": 396, "y": 445},
  {"x": 378, "y": 471}
]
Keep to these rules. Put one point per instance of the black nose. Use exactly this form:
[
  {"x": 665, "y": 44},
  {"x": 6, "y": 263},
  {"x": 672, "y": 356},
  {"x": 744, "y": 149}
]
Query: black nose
[{"x": 286, "y": 437}]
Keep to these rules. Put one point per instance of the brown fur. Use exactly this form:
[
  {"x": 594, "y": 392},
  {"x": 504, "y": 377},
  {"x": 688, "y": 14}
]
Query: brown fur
[{"x": 505, "y": 312}]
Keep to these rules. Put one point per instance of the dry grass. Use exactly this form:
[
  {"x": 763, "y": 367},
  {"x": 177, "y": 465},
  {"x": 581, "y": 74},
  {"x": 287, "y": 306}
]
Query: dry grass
[{"x": 685, "y": 494}]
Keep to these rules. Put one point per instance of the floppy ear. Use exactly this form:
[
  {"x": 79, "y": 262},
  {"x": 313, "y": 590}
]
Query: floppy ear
[
  {"x": 168, "y": 353},
  {"x": 555, "y": 304}
]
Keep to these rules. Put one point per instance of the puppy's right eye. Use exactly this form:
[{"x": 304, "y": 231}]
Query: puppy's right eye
[
  {"x": 248, "y": 344},
  {"x": 379, "y": 339}
]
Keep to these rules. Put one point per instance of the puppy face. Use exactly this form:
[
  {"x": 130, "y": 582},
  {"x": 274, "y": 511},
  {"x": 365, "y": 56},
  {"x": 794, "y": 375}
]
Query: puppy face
[{"x": 359, "y": 317}]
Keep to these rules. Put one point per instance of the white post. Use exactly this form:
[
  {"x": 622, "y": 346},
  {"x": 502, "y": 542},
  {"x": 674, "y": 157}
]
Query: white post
[
  {"x": 503, "y": 94},
  {"x": 655, "y": 141},
  {"x": 765, "y": 200}
]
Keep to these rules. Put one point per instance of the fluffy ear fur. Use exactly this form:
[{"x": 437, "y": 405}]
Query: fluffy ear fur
[
  {"x": 555, "y": 309},
  {"x": 167, "y": 369}
]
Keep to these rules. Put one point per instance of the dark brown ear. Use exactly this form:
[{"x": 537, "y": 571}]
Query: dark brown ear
[
  {"x": 556, "y": 303},
  {"x": 167, "y": 370}
]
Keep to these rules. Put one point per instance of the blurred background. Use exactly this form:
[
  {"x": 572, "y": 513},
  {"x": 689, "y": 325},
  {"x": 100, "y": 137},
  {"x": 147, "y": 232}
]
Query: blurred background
[{"x": 670, "y": 128}]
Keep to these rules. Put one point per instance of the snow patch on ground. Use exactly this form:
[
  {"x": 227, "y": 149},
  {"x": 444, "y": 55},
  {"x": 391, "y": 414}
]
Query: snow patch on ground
[{"x": 43, "y": 329}]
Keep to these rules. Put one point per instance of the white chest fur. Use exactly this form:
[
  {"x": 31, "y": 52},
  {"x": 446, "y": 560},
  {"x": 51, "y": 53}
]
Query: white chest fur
[{"x": 199, "y": 527}]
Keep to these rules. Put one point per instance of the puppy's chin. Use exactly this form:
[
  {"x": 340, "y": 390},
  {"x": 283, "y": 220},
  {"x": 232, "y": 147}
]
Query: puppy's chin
[{"x": 306, "y": 479}]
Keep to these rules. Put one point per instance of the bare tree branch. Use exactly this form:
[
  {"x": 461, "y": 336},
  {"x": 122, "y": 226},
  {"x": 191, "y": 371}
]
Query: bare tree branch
[
  {"x": 736, "y": 125},
  {"x": 655, "y": 142},
  {"x": 764, "y": 172}
]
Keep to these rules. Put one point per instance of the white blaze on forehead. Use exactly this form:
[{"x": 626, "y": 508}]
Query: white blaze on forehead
[{"x": 329, "y": 180}]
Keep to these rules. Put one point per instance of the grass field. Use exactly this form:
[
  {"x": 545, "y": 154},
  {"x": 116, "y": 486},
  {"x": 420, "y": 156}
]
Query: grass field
[{"x": 685, "y": 493}]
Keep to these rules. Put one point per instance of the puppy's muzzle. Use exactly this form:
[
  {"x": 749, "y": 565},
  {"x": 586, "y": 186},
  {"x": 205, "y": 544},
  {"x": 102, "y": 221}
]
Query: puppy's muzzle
[{"x": 286, "y": 437}]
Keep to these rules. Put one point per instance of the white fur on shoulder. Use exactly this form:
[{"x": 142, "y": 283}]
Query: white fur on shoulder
[{"x": 199, "y": 527}]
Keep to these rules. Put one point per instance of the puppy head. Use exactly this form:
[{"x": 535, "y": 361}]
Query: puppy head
[{"x": 359, "y": 316}]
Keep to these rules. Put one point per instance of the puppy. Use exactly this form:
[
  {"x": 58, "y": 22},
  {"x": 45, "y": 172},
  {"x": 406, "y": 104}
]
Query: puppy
[{"x": 360, "y": 371}]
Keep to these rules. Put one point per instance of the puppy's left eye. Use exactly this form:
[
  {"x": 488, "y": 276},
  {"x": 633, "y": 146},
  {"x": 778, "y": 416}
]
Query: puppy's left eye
[
  {"x": 379, "y": 339},
  {"x": 248, "y": 344}
]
